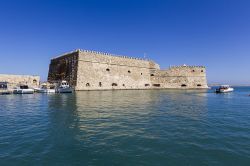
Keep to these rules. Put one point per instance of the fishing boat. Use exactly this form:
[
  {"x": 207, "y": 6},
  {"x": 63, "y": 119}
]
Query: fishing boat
[
  {"x": 23, "y": 89},
  {"x": 64, "y": 87},
  {"x": 224, "y": 89},
  {"x": 46, "y": 89}
]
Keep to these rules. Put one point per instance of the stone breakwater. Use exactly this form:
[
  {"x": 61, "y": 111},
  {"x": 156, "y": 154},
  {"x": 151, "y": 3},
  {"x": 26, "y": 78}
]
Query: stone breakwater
[
  {"x": 92, "y": 70},
  {"x": 13, "y": 81}
]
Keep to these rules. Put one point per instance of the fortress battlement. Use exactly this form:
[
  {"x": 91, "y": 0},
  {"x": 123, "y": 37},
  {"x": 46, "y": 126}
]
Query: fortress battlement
[
  {"x": 113, "y": 55},
  {"x": 186, "y": 66},
  {"x": 100, "y": 53}
]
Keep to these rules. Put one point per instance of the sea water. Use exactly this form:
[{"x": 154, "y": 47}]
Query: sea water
[{"x": 127, "y": 127}]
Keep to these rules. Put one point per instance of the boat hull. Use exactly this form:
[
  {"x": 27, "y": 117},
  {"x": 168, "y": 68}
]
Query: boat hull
[
  {"x": 5, "y": 92},
  {"x": 23, "y": 91},
  {"x": 46, "y": 91},
  {"x": 64, "y": 90},
  {"x": 224, "y": 90}
]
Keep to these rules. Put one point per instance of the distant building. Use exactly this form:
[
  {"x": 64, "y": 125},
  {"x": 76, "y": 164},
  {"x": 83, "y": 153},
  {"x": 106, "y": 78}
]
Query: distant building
[
  {"x": 12, "y": 81},
  {"x": 90, "y": 70}
]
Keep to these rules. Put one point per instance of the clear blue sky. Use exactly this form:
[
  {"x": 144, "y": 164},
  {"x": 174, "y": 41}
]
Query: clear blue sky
[{"x": 214, "y": 33}]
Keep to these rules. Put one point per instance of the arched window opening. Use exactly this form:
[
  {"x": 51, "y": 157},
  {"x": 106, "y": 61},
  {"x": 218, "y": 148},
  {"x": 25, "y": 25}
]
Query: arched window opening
[
  {"x": 114, "y": 84},
  {"x": 141, "y": 73},
  {"x": 183, "y": 85},
  {"x": 87, "y": 84},
  {"x": 152, "y": 75},
  {"x": 123, "y": 84},
  {"x": 34, "y": 81},
  {"x": 202, "y": 71},
  {"x": 100, "y": 84},
  {"x": 129, "y": 71},
  {"x": 107, "y": 69},
  {"x": 198, "y": 85}
]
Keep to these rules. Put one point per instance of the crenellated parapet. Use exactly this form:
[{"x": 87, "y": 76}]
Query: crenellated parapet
[
  {"x": 101, "y": 53},
  {"x": 186, "y": 66},
  {"x": 115, "y": 60},
  {"x": 112, "y": 55}
]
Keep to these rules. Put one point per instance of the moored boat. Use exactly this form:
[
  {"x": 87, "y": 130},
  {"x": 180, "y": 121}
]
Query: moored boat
[
  {"x": 46, "y": 89},
  {"x": 64, "y": 88},
  {"x": 23, "y": 89},
  {"x": 5, "y": 92},
  {"x": 224, "y": 89}
]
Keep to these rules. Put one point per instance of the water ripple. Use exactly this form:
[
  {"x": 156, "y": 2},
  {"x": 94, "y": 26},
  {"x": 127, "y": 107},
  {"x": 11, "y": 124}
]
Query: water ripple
[{"x": 144, "y": 127}]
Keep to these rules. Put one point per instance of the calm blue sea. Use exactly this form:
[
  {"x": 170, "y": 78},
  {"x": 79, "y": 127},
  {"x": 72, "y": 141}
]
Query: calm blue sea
[{"x": 129, "y": 127}]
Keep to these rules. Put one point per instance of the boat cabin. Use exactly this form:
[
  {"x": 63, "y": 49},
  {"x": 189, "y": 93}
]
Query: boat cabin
[
  {"x": 24, "y": 87},
  {"x": 64, "y": 84},
  {"x": 224, "y": 86}
]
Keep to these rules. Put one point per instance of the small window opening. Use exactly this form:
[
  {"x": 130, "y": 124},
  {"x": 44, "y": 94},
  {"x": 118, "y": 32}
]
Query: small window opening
[
  {"x": 108, "y": 69},
  {"x": 100, "y": 84},
  {"x": 141, "y": 73},
  {"x": 157, "y": 85},
  {"x": 183, "y": 85},
  {"x": 202, "y": 71},
  {"x": 199, "y": 85},
  {"x": 24, "y": 87},
  {"x": 34, "y": 81},
  {"x": 123, "y": 84},
  {"x": 193, "y": 70},
  {"x": 87, "y": 84},
  {"x": 114, "y": 84},
  {"x": 152, "y": 75},
  {"x": 129, "y": 71},
  {"x": 147, "y": 85}
]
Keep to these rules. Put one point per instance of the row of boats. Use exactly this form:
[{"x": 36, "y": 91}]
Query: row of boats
[{"x": 64, "y": 87}]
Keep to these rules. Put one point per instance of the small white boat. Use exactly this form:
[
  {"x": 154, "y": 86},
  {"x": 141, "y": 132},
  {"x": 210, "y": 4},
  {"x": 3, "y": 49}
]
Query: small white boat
[
  {"x": 45, "y": 89},
  {"x": 5, "y": 92},
  {"x": 224, "y": 89},
  {"x": 23, "y": 89},
  {"x": 48, "y": 91},
  {"x": 64, "y": 88}
]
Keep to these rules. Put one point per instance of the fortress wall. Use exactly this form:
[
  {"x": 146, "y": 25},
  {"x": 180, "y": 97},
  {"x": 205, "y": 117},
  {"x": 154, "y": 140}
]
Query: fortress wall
[
  {"x": 90, "y": 70},
  {"x": 180, "y": 77},
  {"x": 96, "y": 71},
  {"x": 192, "y": 71},
  {"x": 64, "y": 68},
  {"x": 15, "y": 80}
]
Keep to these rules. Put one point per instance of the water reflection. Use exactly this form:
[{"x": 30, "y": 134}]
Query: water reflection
[{"x": 111, "y": 114}]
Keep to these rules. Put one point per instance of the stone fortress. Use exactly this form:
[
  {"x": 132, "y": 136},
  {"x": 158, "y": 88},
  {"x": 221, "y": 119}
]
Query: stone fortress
[{"x": 91, "y": 70}]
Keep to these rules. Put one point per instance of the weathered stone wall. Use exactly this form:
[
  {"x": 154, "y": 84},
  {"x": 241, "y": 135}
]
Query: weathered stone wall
[
  {"x": 104, "y": 71},
  {"x": 180, "y": 77},
  {"x": 64, "y": 68},
  {"x": 16, "y": 80},
  {"x": 90, "y": 70}
]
